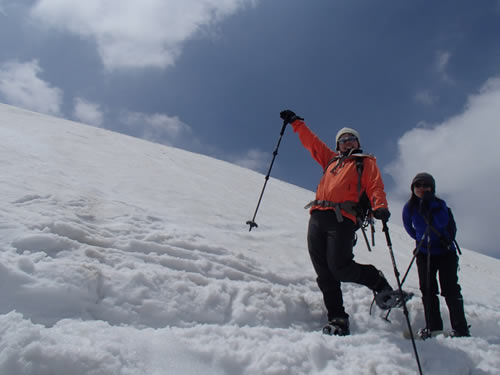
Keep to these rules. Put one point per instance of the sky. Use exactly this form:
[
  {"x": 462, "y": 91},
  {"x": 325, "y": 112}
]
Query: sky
[
  {"x": 126, "y": 269},
  {"x": 419, "y": 80}
]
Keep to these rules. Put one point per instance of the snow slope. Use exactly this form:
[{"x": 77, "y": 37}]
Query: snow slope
[{"x": 120, "y": 256}]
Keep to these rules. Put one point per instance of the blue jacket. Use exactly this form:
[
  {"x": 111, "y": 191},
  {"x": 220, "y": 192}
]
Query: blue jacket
[{"x": 415, "y": 224}]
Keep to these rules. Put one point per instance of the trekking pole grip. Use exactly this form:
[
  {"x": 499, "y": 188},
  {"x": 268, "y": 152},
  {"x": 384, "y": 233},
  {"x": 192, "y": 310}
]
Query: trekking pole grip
[
  {"x": 385, "y": 229},
  {"x": 283, "y": 127}
]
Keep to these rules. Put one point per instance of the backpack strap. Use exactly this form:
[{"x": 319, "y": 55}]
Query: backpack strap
[
  {"x": 359, "y": 168},
  {"x": 342, "y": 158},
  {"x": 339, "y": 159}
]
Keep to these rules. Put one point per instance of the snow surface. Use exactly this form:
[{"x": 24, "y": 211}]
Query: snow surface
[{"x": 120, "y": 256}]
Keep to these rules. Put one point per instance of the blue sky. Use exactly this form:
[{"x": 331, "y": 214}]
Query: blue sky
[{"x": 212, "y": 76}]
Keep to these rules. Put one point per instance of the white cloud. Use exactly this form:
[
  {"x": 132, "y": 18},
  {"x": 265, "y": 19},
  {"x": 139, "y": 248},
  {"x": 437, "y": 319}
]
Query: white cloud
[
  {"x": 442, "y": 59},
  {"x": 131, "y": 33},
  {"x": 21, "y": 86},
  {"x": 157, "y": 127},
  {"x": 3, "y": 12},
  {"x": 441, "y": 65},
  {"x": 253, "y": 159},
  {"x": 87, "y": 112},
  {"x": 463, "y": 155}
]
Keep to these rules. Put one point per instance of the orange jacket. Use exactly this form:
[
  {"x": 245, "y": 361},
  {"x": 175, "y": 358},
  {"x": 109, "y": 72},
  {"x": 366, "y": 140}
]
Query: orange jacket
[{"x": 342, "y": 185}]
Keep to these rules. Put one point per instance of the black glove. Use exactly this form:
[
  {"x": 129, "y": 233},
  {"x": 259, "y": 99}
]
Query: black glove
[
  {"x": 289, "y": 116},
  {"x": 382, "y": 214},
  {"x": 428, "y": 196},
  {"x": 425, "y": 201}
]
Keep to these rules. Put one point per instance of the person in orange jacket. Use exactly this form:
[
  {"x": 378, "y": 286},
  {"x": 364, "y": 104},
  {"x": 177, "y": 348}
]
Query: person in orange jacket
[{"x": 333, "y": 220}]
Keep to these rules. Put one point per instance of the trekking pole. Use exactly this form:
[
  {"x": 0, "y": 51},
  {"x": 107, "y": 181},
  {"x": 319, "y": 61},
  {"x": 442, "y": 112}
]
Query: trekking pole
[
  {"x": 363, "y": 224},
  {"x": 415, "y": 252},
  {"x": 252, "y": 222},
  {"x": 428, "y": 276},
  {"x": 366, "y": 238},
  {"x": 372, "y": 224},
  {"x": 405, "y": 309},
  {"x": 386, "y": 317}
]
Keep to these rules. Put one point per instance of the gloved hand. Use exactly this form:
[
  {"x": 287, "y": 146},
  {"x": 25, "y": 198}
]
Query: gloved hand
[
  {"x": 382, "y": 214},
  {"x": 428, "y": 196},
  {"x": 425, "y": 202},
  {"x": 289, "y": 116}
]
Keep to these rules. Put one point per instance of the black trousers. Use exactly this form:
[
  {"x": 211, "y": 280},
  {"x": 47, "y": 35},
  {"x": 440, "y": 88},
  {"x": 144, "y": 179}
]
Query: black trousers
[
  {"x": 330, "y": 246},
  {"x": 447, "y": 266}
]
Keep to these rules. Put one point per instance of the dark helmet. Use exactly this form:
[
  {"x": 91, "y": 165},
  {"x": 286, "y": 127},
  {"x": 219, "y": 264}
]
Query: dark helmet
[{"x": 424, "y": 177}]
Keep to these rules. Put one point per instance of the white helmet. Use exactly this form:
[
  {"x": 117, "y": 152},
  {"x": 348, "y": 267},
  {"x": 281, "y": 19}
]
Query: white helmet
[{"x": 343, "y": 131}]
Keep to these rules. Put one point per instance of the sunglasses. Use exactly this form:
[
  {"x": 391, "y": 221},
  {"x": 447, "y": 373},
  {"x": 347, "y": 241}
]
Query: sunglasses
[
  {"x": 424, "y": 185},
  {"x": 348, "y": 139}
]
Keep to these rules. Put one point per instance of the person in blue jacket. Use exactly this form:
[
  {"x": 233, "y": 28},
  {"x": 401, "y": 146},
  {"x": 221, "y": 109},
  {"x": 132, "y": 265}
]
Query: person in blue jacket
[{"x": 425, "y": 218}]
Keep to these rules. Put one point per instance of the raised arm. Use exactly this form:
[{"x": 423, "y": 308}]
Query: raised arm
[{"x": 319, "y": 150}]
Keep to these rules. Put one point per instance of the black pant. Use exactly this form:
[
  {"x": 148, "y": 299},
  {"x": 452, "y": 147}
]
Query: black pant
[
  {"x": 330, "y": 247},
  {"x": 447, "y": 266}
]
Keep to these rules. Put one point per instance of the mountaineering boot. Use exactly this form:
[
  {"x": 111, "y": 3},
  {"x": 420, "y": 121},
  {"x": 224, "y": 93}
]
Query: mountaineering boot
[
  {"x": 460, "y": 333},
  {"x": 426, "y": 333},
  {"x": 337, "y": 327},
  {"x": 389, "y": 298}
]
